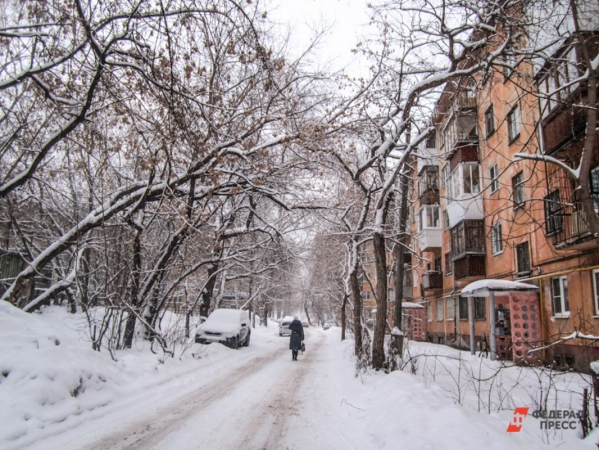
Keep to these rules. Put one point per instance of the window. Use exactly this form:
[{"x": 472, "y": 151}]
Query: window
[
  {"x": 446, "y": 219},
  {"x": 496, "y": 239},
  {"x": 559, "y": 295},
  {"x": 513, "y": 123},
  {"x": 431, "y": 140},
  {"x": 553, "y": 216},
  {"x": 518, "y": 190},
  {"x": 428, "y": 217},
  {"x": 596, "y": 290},
  {"x": 463, "y": 308},
  {"x": 471, "y": 178},
  {"x": 523, "y": 257},
  {"x": 450, "y": 308},
  {"x": 465, "y": 179},
  {"x": 489, "y": 121},
  {"x": 480, "y": 308},
  {"x": 448, "y": 263},
  {"x": 438, "y": 264},
  {"x": 429, "y": 311},
  {"x": 439, "y": 310},
  {"x": 494, "y": 177}
]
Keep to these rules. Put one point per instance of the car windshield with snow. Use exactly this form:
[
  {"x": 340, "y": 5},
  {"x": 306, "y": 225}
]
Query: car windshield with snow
[{"x": 227, "y": 326}]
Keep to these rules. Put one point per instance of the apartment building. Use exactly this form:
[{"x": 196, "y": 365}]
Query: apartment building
[{"x": 481, "y": 213}]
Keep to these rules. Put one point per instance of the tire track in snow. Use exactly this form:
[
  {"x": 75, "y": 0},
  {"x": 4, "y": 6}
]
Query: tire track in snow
[
  {"x": 267, "y": 430},
  {"x": 143, "y": 433}
]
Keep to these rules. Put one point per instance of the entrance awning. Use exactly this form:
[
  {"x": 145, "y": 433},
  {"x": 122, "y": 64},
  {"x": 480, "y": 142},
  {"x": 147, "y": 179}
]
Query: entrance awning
[
  {"x": 490, "y": 288},
  {"x": 483, "y": 288}
]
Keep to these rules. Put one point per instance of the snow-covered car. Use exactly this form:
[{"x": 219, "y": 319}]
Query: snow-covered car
[
  {"x": 326, "y": 326},
  {"x": 230, "y": 327},
  {"x": 305, "y": 323},
  {"x": 284, "y": 326}
]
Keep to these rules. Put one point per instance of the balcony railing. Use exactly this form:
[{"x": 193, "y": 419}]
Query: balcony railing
[
  {"x": 574, "y": 230},
  {"x": 469, "y": 266},
  {"x": 432, "y": 280},
  {"x": 468, "y": 238},
  {"x": 460, "y": 131}
]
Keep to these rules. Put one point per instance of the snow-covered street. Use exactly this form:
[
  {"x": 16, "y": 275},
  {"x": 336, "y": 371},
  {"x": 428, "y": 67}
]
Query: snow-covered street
[{"x": 213, "y": 397}]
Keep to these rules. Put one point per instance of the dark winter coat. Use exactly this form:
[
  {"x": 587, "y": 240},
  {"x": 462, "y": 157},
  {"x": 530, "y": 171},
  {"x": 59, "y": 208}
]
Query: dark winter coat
[{"x": 297, "y": 335}]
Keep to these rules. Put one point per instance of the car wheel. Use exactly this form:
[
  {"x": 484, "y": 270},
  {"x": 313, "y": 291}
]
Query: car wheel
[
  {"x": 247, "y": 341},
  {"x": 236, "y": 343}
]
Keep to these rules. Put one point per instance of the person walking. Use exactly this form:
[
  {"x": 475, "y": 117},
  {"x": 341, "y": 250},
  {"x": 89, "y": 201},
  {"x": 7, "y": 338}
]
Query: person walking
[{"x": 297, "y": 336}]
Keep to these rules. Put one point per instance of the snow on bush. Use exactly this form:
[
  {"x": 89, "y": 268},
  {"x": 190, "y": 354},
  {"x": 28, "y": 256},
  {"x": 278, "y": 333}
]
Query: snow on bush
[{"x": 45, "y": 374}]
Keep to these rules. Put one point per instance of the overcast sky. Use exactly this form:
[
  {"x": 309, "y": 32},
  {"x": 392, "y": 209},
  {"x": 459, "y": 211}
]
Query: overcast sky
[{"x": 346, "y": 21}]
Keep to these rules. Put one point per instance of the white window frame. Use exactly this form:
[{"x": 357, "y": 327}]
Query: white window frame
[
  {"x": 562, "y": 295},
  {"x": 494, "y": 177},
  {"x": 439, "y": 307},
  {"x": 519, "y": 193},
  {"x": 450, "y": 305},
  {"x": 496, "y": 239},
  {"x": 427, "y": 214},
  {"x": 429, "y": 311},
  {"x": 514, "y": 122},
  {"x": 456, "y": 182}
]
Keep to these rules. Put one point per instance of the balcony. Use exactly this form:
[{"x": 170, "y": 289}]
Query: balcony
[
  {"x": 460, "y": 131},
  {"x": 574, "y": 232},
  {"x": 428, "y": 154},
  {"x": 430, "y": 239},
  {"x": 468, "y": 248},
  {"x": 428, "y": 185},
  {"x": 470, "y": 266},
  {"x": 565, "y": 222},
  {"x": 465, "y": 207},
  {"x": 432, "y": 280},
  {"x": 430, "y": 234}
]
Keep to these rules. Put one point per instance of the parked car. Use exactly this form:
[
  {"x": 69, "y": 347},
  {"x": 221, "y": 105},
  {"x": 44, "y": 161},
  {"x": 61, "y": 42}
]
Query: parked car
[
  {"x": 230, "y": 327},
  {"x": 305, "y": 323},
  {"x": 326, "y": 326},
  {"x": 284, "y": 326}
]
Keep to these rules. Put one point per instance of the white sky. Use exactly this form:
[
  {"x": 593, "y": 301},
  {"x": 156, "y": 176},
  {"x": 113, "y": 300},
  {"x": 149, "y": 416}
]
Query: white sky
[{"x": 346, "y": 21}]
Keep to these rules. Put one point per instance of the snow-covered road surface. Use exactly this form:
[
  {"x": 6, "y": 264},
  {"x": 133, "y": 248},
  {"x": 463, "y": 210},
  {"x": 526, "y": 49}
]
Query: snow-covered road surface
[
  {"x": 246, "y": 407},
  {"x": 58, "y": 394}
]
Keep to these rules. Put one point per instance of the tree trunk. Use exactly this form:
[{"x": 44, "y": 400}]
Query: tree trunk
[
  {"x": 343, "y": 316},
  {"x": 357, "y": 295},
  {"x": 207, "y": 294},
  {"x": 134, "y": 293},
  {"x": 380, "y": 262},
  {"x": 399, "y": 261}
]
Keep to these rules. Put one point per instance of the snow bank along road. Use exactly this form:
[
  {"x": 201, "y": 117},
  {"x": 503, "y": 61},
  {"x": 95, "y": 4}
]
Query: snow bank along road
[{"x": 245, "y": 405}]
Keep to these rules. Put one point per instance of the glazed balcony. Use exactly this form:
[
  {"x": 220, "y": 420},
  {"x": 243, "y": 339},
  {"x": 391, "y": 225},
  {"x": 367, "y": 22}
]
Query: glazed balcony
[
  {"x": 464, "y": 199},
  {"x": 428, "y": 185},
  {"x": 460, "y": 131},
  {"x": 432, "y": 280},
  {"x": 468, "y": 248},
  {"x": 430, "y": 234}
]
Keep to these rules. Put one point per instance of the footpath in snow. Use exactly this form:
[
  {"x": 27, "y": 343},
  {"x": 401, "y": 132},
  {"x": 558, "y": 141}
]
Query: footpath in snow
[{"x": 55, "y": 392}]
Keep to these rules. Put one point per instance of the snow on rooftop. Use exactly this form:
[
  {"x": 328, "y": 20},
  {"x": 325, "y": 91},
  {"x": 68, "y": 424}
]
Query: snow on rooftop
[
  {"x": 481, "y": 288},
  {"x": 411, "y": 305}
]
